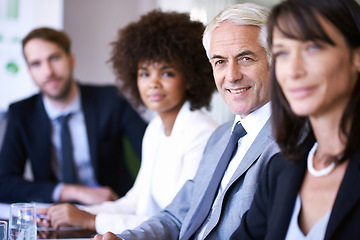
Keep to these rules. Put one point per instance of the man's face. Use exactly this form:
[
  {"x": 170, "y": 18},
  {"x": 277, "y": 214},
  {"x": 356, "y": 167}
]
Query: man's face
[
  {"x": 50, "y": 67},
  {"x": 240, "y": 67}
]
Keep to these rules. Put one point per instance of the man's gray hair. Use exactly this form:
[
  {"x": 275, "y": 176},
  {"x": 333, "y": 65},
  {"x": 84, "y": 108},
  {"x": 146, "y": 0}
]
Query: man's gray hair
[{"x": 241, "y": 14}]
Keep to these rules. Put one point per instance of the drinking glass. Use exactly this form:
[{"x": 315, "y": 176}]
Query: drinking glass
[
  {"x": 22, "y": 221},
  {"x": 3, "y": 230}
]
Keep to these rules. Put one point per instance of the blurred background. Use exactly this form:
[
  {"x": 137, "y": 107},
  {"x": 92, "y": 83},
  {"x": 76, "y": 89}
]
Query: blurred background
[{"x": 92, "y": 25}]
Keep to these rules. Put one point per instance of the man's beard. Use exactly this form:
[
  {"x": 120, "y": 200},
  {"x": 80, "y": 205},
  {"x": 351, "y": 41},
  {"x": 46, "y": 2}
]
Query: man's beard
[{"x": 64, "y": 94}]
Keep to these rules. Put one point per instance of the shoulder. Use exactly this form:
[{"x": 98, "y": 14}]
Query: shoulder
[
  {"x": 107, "y": 97},
  {"x": 197, "y": 131},
  {"x": 155, "y": 125},
  {"x": 272, "y": 149},
  {"x": 223, "y": 129},
  {"x": 197, "y": 127},
  {"x": 220, "y": 136},
  {"x": 106, "y": 91},
  {"x": 200, "y": 120},
  {"x": 276, "y": 165},
  {"x": 153, "y": 130},
  {"x": 25, "y": 105},
  {"x": 192, "y": 123}
]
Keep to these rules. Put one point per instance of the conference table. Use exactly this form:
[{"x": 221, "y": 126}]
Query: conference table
[
  {"x": 64, "y": 233},
  {"x": 51, "y": 233}
]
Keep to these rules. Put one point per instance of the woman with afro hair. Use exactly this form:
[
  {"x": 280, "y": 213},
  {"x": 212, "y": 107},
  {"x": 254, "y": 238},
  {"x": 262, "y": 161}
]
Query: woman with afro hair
[{"x": 159, "y": 63}]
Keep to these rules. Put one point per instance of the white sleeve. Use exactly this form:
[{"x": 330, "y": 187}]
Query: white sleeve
[{"x": 116, "y": 222}]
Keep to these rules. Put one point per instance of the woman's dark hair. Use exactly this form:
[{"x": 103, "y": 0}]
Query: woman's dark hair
[
  {"x": 299, "y": 19},
  {"x": 169, "y": 37},
  {"x": 60, "y": 38}
]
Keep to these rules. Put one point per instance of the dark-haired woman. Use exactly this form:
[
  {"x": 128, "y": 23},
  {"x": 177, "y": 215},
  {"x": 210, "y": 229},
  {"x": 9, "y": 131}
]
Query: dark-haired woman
[{"x": 312, "y": 189}]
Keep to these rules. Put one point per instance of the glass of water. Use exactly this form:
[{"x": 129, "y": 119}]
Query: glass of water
[
  {"x": 22, "y": 221},
  {"x": 3, "y": 230}
]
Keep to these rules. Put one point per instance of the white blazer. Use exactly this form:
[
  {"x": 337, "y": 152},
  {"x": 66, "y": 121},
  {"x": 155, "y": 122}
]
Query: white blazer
[{"x": 167, "y": 163}]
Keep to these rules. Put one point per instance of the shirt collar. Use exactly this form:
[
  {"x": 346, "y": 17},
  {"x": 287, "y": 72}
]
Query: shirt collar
[
  {"x": 54, "y": 113},
  {"x": 255, "y": 121}
]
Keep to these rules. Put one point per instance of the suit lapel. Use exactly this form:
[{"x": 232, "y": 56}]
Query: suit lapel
[
  {"x": 288, "y": 186},
  {"x": 91, "y": 119},
  {"x": 41, "y": 144},
  {"x": 346, "y": 197},
  {"x": 257, "y": 147},
  {"x": 287, "y": 189},
  {"x": 254, "y": 152}
]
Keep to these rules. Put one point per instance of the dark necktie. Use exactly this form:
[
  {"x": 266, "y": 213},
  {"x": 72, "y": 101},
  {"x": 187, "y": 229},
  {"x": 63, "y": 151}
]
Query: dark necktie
[
  {"x": 67, "y": 159},
  {"x": 204, "y": 207}
]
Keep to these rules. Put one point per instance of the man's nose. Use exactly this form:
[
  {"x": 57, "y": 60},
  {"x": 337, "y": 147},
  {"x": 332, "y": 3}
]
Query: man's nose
[
  {"x": 234, "y": 72},
  {"x": 48, "y": 69}
]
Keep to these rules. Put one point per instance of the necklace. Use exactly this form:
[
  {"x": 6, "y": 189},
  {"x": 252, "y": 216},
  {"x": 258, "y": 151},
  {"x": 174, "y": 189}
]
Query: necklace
[{"x": 310, "y": 164}]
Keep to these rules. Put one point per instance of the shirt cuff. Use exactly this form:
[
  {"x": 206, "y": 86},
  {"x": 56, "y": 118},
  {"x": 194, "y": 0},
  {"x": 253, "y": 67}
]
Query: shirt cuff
[{"x": 57, "y": 192}]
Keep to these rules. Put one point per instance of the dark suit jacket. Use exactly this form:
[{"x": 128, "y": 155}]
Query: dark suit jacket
[
  {"x": 108, "y": 119},
  {"x": 272, "y": 208}
]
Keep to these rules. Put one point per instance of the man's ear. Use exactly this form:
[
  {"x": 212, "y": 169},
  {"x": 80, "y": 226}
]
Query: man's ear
[
  {"x": 73, "y": 60},
  {"x": 356, "y": 58}
]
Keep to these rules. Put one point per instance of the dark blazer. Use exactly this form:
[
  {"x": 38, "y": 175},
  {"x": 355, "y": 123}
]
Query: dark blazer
[
  {"x": 108, "y": 119},
  {"x": 270, "y": 213}
]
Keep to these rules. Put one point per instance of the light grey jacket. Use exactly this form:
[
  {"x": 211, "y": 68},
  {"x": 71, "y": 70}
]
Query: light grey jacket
[{"x": 234, "y": 201}]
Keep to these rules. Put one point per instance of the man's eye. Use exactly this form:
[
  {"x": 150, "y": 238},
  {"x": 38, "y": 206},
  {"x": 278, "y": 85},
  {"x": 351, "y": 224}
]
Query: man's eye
[
  {"x": 34, "y": 64},
  {"x": 219, "y": 62},
  {"x": 246, "y": 59},
  {"x": 54, "y": 58}
]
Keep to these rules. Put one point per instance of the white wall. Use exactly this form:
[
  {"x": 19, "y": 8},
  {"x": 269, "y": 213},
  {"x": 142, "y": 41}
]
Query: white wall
[
  {"x": 27, "y": 14},
  {"x": 92, "y": 25}
]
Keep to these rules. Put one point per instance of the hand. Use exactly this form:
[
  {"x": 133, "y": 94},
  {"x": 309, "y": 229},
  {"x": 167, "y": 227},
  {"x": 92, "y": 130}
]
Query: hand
[
  {"x": 87, "y": 195},
  {"x": 43, "y": 222},
  {"x": 62, "y": 215},
  {"x": 106, "y": 236}
]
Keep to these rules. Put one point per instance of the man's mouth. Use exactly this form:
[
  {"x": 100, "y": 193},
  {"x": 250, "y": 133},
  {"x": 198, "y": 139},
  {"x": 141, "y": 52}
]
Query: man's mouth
[
  {"x": 52, "y": 79},
  {"x": 239, "y": 90}
]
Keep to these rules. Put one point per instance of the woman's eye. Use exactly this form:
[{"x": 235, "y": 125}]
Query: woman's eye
[
  {"x": 314, "y": 47},
  {"x": 168, "y": 74},
  {"x": 143, "y": 75},
  {"x": 279, "y": 54}
]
